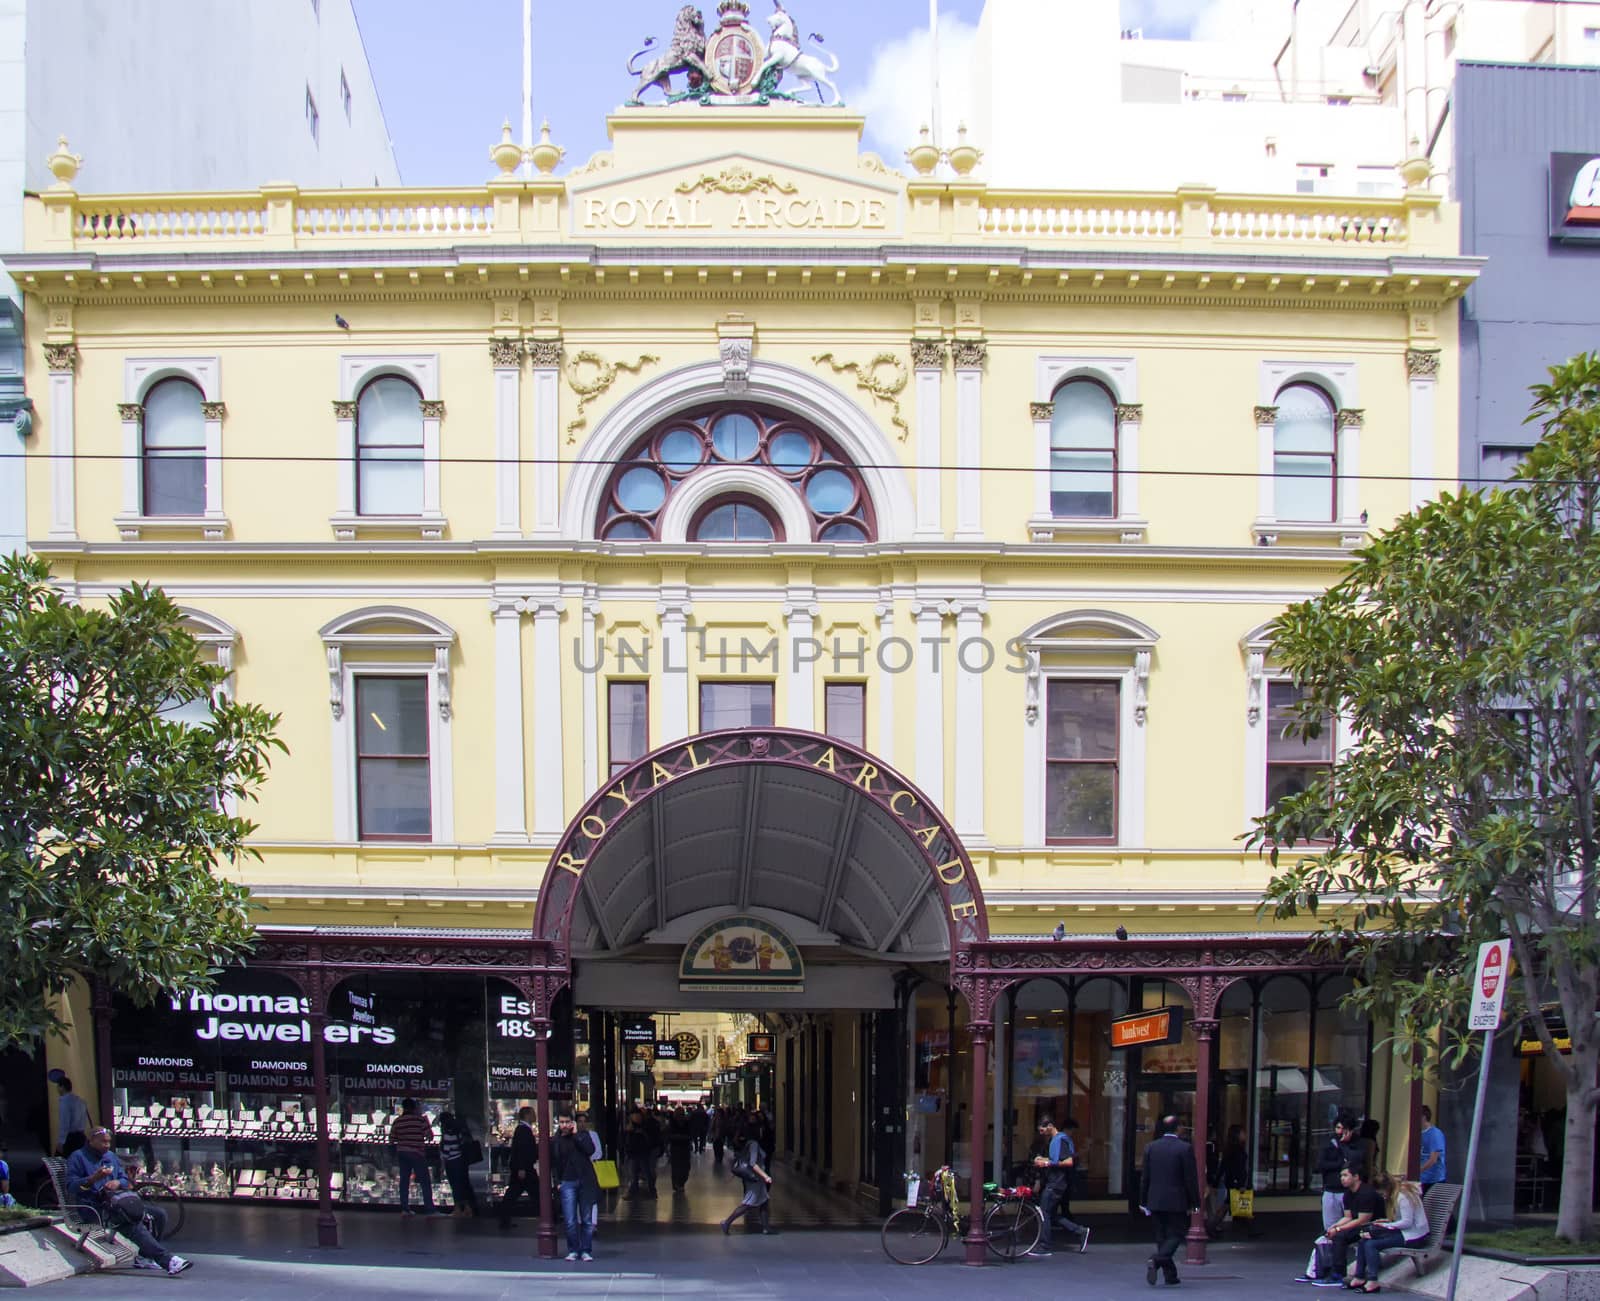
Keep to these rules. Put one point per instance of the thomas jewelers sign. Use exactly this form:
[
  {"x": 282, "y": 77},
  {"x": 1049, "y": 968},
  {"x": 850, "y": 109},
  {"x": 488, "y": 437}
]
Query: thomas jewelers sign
[{"x": 268, "y": 1018}]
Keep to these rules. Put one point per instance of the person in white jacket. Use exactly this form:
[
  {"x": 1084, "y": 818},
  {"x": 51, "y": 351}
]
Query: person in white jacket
[{"x": 1406, "y": 1226}]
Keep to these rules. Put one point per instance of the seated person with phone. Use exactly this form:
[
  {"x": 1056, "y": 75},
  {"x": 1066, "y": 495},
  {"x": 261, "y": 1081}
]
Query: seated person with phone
[{"x": 96, "y": 1174}]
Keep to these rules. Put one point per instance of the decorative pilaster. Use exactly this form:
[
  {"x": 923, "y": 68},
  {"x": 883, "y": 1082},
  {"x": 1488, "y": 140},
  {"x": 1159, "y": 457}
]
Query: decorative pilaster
[
  {"x": 974, "y": 657},
  {"x": 344, "y": 415},
  {"x": 549, "y": 808},
  {"x": 510, "y": 813},
  {"x": 885, "y": 681},
  {"x": 927, "y": 360},
  {"x": 674, "y": 609},
  {"x": 970, "y": 356},
  {"x": 801, "y": 611},
  {"x": 131, "y": 415},
  {"x": 432, "y": 514},
  {"x": 1129, "y": 417},
  {"x": 61, "y": 361},
  {"x": 505, "y": 355},
  {"x": 592, "y": 679},
  {"x": 213, "y": 413},
  {"x": 545, "y": 358},
  {"x": 1347, "y": 423},
  {"x": 1266, "y": 432},
  {"x": 1422, "y": 375},
  {"x": 931, "y": 651}
]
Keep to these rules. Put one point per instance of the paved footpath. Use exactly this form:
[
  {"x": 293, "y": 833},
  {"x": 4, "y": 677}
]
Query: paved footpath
[{"x": 263, "y": 1254}]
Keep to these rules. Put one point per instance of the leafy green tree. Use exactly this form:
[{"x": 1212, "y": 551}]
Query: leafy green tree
[
  {"x": 1462, "y": 649},
  {"x": 113, "y": 813}
]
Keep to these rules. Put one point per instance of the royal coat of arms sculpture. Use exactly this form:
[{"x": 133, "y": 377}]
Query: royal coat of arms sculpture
[{"x": 733, "y": 65}]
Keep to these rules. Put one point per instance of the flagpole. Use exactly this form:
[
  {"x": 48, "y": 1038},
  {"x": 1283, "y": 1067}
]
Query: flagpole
[
  {"x": 933, "y": 41},
  {"x": 527, "y": 86}
]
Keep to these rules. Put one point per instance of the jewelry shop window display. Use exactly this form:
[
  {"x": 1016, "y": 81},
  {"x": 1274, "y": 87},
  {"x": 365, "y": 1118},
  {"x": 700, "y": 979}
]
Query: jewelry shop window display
[
  {"x": 513, "y": 1069},
  {"x": 213, "y": 1093}
]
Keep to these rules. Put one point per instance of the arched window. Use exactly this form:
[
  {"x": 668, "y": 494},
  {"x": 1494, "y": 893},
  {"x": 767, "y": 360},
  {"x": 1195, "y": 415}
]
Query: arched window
[
  {"x": 389, "y": 448},
  {"x": 796, "y": 461},
  {"x": 1305, "y": 455},
  {"x": 735, "y": 519},
  {"x": 173, "y": 450},
  {"x": 1083, "y": 451}
]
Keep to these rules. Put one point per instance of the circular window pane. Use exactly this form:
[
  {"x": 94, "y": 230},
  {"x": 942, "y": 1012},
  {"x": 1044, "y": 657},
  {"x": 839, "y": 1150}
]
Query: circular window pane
[
  {"x": 641, "y": 490},
  {"x": 842, "y": 531},
  {"x": 735, "y": 437},
  {"x": 830, "y": 492},
  {"x": 627, "y": 530},
  {"x": 681, "y": 450},
  {"x": 790, "y": 452}
]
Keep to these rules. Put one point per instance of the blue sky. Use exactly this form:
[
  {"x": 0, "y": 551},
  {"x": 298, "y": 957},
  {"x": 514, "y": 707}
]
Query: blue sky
[{"x": 449, "y": 75}]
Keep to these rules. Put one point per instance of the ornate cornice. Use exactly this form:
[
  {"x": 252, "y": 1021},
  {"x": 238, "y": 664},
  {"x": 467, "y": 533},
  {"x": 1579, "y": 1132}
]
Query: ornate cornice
[
  {"x": 344, "y": 410},
  {"x": 928, "y": 354},
  {"x": 1422, "y": 363},
  {"x": 505, "y": 352},
  {"x": 1266, "y": 415},
  {"x": 970, "y": 354},
  {"x": 61, "y": 356},
  {"x": 214, "y": 410},
  {"x": 1042, "y": 410},
  {"x": 544, "y": 353},
  {"x": 1130, "y": 412},
  {"x": 130, "y": 411},
  {"x": 432, "y": 410},
  {"x": 1349, "y": 418}
]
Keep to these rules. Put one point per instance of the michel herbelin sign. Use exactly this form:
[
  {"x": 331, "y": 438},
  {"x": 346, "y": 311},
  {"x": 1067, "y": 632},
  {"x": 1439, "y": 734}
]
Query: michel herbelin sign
[
  {"x": 742, "y": 954},
  {"x": 1575, "y": 198}
]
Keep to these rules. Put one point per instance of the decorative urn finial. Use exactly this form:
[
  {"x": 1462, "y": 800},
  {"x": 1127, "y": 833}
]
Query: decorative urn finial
[
  {"x": 964, "y": 157},
  {"x": 64, "y": 164},
  {"x": 507, "y": 155},
  {"x": 545, "y": 154},
  {"x": 924, "y": 155},
  {"x": 1416, "y": 169}
]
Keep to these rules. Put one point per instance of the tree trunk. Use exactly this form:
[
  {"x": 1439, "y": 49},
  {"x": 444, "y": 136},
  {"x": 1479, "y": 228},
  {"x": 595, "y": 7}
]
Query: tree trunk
[{"x": 1577, "y": 1163}]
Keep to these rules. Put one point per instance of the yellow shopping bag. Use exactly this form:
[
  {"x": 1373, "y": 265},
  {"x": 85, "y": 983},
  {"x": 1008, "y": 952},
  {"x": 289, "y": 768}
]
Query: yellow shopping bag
[
  {"x": 605, "y": 1174},
  {"x": 1242, "y": 1203}
]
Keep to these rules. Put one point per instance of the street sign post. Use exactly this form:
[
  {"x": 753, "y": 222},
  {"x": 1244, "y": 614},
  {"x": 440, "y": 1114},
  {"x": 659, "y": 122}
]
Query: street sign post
[{"x": 1488, "y": 995}]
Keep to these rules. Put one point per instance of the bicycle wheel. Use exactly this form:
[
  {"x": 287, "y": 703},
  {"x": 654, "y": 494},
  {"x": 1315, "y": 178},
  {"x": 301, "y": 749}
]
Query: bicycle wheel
[
  {"x": 167, "y": 1198},
  {"x": 1013, "y": 1228},
  {"x": 44, "y": 1195},
  {"x": 914, "y": 1236}
]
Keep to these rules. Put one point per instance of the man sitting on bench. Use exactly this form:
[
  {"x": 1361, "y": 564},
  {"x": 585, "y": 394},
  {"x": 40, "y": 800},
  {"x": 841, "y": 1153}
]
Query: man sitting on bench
[
  {"x": 96, "y": 1173},
  {"x": 1362, "y": 1205}
]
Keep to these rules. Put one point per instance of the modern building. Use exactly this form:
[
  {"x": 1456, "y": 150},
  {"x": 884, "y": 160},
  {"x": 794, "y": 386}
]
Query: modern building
[
  {"x": 1315, "y": 97},
  {"x": 737, "y": 576},
  {"x": 170, "y": 95},
  {"x": 1527, "y": 178}
]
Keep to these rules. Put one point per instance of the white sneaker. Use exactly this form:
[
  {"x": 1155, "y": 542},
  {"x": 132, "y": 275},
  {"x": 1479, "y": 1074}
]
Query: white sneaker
[
  {"x": 178, "y": 1264},
  {"x": 144, "y": 1262},
  {"x": 586, "y": 1256},
  {"x": 572, "y": 1255}
]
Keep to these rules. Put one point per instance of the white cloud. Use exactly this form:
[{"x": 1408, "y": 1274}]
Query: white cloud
[
  {"x": 897, "y": 97},
  {"x": 1241, "y": 22}
]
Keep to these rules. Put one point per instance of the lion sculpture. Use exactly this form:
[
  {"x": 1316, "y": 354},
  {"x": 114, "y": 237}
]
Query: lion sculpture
[{"x": 685, "y": 54}]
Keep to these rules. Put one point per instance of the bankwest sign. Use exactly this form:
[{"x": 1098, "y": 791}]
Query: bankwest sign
[
  {"x": 736, "y": 197},
  {"x": 1148, "y": 1028}
]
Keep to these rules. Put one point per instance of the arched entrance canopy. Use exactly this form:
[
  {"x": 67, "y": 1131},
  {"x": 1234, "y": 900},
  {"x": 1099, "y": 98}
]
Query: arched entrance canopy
[{"x": 762, "y": 818}]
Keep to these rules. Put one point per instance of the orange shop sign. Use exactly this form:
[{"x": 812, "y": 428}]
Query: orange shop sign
[{"x": 1164, "y": 1026}]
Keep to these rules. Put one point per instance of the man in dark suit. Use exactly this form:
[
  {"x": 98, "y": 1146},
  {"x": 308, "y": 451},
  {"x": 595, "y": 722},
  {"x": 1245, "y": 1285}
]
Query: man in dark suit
[
  {"x": 524, "y": 1174},
  {"x": 1169, "y": 1192}
]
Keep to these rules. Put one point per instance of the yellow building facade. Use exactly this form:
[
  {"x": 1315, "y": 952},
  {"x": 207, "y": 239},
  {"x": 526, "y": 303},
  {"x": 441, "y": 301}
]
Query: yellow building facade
[{"x": 738, "y": 427}]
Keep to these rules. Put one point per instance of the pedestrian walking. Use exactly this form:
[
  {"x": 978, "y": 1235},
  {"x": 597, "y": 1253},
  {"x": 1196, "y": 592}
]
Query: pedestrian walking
[
  {"x": 72, "y": 1115},
  {"x": 587, "y": 1135},
  {"x": 410, "y": 1134},
  {"x": 459, "y": 1150},
  {"x": 1433, "y": 1158},
  {"x": 524, "y": 1167},
  {"x": 680, "y": 1144},
  {"x": 573, "y": 1169},
  {"x": 1056, "y": 1165},
  {"x": 750, "y": 1165},
  {"x": 716, "y": 1127},
  {"x": 1231, "y": 1175},
  {"x": 1169, "y": 1193},
  {"x": 641, "y": 1159}
]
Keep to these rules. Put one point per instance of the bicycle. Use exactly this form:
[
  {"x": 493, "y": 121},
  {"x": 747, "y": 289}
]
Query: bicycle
[
  {"x": 917, "y": 1232},
  {"x": 162, "y": 1194}
]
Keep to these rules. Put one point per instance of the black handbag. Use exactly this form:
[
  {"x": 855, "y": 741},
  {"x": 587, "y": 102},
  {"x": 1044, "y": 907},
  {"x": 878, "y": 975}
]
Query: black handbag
[
  {"x": 471, "y": 1150},
  {"x": 127, "y": 1207}
]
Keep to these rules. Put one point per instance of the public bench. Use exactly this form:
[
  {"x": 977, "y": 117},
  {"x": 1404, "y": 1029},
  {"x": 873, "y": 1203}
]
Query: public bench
[
  {"x": 1439, "y": 1204},
  {"x": 86, "y": 1222}
]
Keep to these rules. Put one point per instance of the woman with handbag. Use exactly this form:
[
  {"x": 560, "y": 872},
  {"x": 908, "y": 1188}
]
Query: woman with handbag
[
  {"x": 459, "y": 1150},
  {"x": 750, "y": 1166}
]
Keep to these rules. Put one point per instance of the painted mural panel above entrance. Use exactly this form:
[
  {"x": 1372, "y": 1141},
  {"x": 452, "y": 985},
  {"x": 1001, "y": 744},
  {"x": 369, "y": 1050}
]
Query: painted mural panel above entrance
[{"x": 745, "y": 954}]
